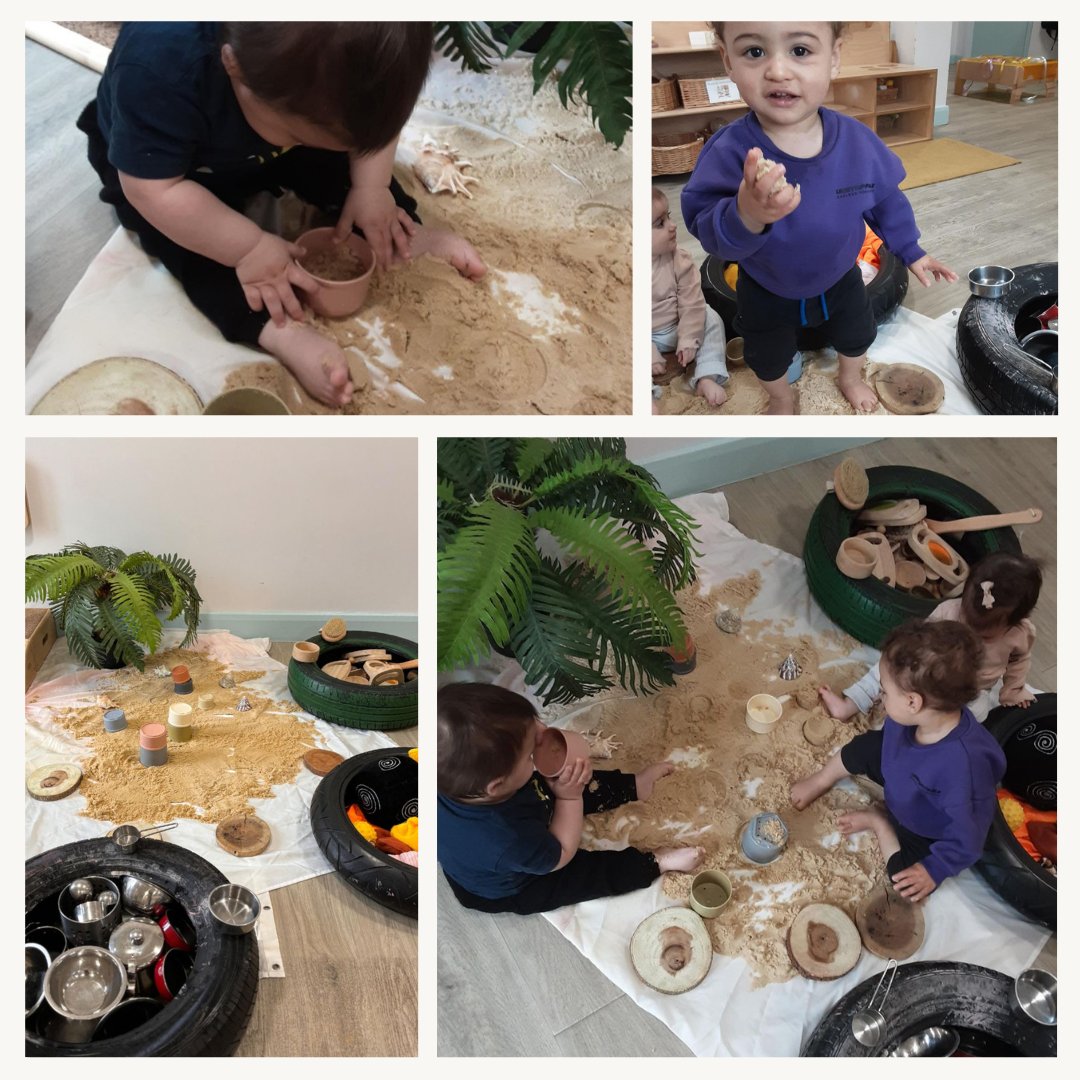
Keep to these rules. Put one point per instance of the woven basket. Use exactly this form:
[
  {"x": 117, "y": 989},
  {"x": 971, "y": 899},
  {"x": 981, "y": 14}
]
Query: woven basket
[
  {"x": 665, "y": 94},
  {"x": 890, "y": 94},
  {"x": 676, "y": 153},
  {"x": 695, "y": 95}
]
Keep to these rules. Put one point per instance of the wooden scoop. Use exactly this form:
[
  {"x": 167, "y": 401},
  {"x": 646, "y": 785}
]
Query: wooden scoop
[{"x": 987, "y": 521}]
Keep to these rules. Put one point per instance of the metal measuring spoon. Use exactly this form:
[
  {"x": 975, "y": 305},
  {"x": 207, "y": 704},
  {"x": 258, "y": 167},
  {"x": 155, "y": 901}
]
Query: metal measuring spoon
[
  {"x": 868, "y": 1025},
  {"x": 126, "y": 837}
]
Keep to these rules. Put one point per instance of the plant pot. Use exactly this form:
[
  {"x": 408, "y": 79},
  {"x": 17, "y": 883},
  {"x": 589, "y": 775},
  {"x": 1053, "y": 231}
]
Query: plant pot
[{"x": 336, "y": 299}]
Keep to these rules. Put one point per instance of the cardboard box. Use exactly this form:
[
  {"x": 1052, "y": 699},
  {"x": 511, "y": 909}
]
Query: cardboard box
[
  {"x": 40, "y": 638},
  {"x": 676, "y": 35}
]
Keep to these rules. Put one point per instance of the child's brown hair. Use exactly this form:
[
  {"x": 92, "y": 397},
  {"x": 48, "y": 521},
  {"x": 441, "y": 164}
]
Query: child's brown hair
[
  {"x": 1001, "y": 590},
  {"x": 357, "y": 80},
  {"x": 481, "y": 733},
  {"x": 837, "y": 29},
  {"x": 939, "y": 661}
]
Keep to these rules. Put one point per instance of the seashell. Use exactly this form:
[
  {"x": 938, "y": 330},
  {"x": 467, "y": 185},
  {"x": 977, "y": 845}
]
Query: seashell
[
  {"x": 439, "y": 168},
  {"x": 227, "y": 682},
  {"x": 790, "y": 669},
  {"x": 729, "y": 621},
  {"x": 162, "y": 672},
  {"x": 243, "y": 705},
  {"x": 601, "y": 745}
]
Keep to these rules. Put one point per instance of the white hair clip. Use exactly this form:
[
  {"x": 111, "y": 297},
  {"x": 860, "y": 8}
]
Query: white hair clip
[{"x": 988, "y": 596}]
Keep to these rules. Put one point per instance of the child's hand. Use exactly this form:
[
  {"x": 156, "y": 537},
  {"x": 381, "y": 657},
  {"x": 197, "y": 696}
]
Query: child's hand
[
  {"x": 570, "y": 783},
  {"x": 758, "y": 205},
  {"x": 268, "y": 273},
  {"x": 686, "y": 356},
  {"x": 929, "y": 270},
  {"x": 914, "y": 883},
  {"x": 386, "y": 227},
  {"x": 1022, "y": 699}
]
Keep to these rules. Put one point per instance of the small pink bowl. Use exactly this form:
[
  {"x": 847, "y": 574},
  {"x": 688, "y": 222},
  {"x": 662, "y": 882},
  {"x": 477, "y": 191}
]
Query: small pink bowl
[
  {"x": 152, "y": 736},
  {"x": 336, "y": 299},
  {"x": 556, "y": 747}
]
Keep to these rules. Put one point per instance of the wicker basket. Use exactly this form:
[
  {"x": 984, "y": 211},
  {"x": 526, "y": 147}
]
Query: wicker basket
[
  {"x": 892, "y": 93},
  {"x": 665, "y": 94},
  {"x": 695, "y": 94},
  {"x": 677, "y": 152}
]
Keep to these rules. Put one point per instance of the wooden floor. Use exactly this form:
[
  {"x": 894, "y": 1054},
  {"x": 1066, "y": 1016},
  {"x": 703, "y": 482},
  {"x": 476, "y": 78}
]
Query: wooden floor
[
  {"x": 1008, "y": 217},
  {"x": 512, "y": 985},
  {"x": 350, "y": 986}
]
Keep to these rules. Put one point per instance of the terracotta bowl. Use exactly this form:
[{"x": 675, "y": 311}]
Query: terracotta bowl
[
  {"x": 555, "y": 748},
  {"x": 336, "y": 299}
]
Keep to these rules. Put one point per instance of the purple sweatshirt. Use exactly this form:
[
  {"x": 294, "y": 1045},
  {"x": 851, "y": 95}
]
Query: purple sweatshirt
[
  {"x": 852, "y": 182},
  {"x": 946, "y": 792}
]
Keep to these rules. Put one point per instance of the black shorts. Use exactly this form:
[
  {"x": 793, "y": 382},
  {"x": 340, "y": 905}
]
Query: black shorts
[
  {"x": 862, "y": 757},
  {"x": 769, "y": 323}
]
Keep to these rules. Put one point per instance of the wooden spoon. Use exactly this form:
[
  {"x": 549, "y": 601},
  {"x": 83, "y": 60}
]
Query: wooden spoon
[{"x": 987, "y": 521}]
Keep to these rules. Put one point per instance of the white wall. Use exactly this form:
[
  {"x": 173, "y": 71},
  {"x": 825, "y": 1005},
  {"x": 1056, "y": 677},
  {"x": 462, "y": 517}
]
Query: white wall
[
  {"x": 926, "y": 44},
  {"x": 962, "y": 34},
  {"x": 270, "y": 525}
]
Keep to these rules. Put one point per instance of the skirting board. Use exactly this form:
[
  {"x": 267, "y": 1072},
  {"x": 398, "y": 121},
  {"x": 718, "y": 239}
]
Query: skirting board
[
  {"x": 299, "y": 625},
  {"x": 724, "y": 461}
]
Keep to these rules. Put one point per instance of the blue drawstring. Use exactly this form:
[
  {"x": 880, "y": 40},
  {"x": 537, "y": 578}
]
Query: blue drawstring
[
  {"x": 824, "y": 310},
  {"x": 802, "y": 312}
]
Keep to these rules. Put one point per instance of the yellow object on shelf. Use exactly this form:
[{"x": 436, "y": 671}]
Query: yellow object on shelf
[
  {"x": 414, "y": 753},
  {"x": 407, "y": 832}
]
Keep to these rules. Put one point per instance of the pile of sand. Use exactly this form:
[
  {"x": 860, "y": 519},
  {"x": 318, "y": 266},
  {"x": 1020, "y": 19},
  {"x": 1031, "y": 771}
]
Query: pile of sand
[
  {"x": 234, "y": 757},
  {"x": 727, "y": 773}
]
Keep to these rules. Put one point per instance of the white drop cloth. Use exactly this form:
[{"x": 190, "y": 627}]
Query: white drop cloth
[
  {"x": 724, "y": 1015},
  {"x": 293, "y": 854}
]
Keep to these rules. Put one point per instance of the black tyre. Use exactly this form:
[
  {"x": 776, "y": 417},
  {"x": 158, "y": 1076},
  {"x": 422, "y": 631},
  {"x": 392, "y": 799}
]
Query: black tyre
[
  {"x": 384, "y": 784},
  {"x": 1007, "y": 868},
  {"x": 974, "y": 1001},
  {"x": 209, "y": 1016},
  {"x": 886, "y": 291},
  {"x": 867, "y": 609},
  {"x": 1002, "y": 377},
  {"x": 380, "y": 708}
]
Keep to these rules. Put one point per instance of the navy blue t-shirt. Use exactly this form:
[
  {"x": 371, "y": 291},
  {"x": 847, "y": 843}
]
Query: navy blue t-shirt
[
  {"x": 167, "y": 108},
  {"x": 492, "y": 849}
]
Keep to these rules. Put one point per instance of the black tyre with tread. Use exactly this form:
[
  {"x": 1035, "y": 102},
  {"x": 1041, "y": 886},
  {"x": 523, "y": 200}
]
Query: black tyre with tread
[
  {"x": 383, "y": 708},
  {"x": 976, "y": 1001},
  {"x": 1006, "y": 867},
  {"x": 209, "y": 1016},
  {"x": 1001, "y": 377},
  {"x": 868, "y": 609},
  {"x": 384, "y": 784},
  {"x": 886, "y": 291}
]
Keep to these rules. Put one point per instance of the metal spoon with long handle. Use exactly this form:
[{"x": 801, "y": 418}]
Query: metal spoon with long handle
[{"x": 868, "y": 1025}]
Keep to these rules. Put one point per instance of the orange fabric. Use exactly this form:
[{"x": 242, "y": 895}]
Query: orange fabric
[
  {"x": 1030, "y": 815},
  {"x": 868, "y": 253}
]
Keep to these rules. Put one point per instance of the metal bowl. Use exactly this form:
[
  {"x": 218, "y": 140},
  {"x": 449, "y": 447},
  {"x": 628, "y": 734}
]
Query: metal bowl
[
  {"x": 933, "y": 1042},
  {"x": 1036, "y": 994},
  {"x": 142, "y": 896},
  {"x": 235, "y": 908},
  {"x": 991, "y": 282},
  {"x": 37, "y": 964},
  {"x": 85, "y": 983}
]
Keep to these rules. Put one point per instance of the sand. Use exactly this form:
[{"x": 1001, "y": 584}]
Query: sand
[
  {"x": 234, "y": 757},
  {"x": 727, "y": 773}
]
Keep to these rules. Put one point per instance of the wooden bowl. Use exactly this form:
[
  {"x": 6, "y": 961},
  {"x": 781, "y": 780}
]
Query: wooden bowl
[{"x": 762, "y": 713}]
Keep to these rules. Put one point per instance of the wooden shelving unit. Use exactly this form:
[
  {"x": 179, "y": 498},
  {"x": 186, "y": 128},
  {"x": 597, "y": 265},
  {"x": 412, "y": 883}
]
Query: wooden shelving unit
[{"x": 908, "y": 119}]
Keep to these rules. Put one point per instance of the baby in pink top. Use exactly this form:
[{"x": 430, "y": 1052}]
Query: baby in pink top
[{"x": 1001, "y": 592}]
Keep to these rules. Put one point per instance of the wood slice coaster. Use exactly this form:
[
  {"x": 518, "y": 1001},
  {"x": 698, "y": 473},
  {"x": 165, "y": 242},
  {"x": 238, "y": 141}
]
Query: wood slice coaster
[
  {"x": 243, "y": 836},
  {"x": 52, "y": 782},
  {"x": 890, "y": 926},
  {"x": 671, "y": 950},
  {"x": 909, "y": 574},
  {"x": 823, "y": 942},
  {"x": 322, "y": 762},
  {"x": 908, "y": 389},
  {"x": 850, "y": 484}
]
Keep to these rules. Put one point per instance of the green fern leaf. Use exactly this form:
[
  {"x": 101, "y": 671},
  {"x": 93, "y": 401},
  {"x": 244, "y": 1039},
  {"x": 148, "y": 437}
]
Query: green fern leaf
[
  {"x": 75, "y": 618},
  {"x": 135, "y": 606},
  {"x": 48, "y": 577},
  {"x": 483, "y": 578},
  {"x": 467, "y": 42},
  {"x": 532, "y": 453}
]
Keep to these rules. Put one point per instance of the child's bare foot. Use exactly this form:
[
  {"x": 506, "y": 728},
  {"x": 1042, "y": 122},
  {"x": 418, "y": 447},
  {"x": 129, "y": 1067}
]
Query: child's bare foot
[
  {"x": 658, "y": 367},
  {"x": 683, "y": 859},
  {"x": 805, "y": 791},
  {"x": 781, "y": 397},
  {"x": 860, "y": 396},
  {"x": 646, "y": 779},
  {"x": 836, "y": 705},
  {"x": 857, "y": 821},
  {"x": 711, "y": 390},
  {"x": 448, "y": 246},
  {"x": 318, "y": 363}
]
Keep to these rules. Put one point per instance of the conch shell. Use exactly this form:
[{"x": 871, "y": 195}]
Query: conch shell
[{"x": 439, "y": 168}]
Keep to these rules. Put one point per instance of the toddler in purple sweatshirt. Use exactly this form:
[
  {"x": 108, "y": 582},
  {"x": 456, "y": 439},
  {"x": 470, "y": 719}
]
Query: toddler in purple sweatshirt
[
  {"x": 939, "y": 767},
  {"x": 796, "y": 227}
]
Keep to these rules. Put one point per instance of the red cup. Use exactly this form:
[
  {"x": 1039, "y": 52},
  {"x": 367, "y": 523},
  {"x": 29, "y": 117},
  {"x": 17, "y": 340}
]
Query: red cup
[
  {"x": 171, "y": 970},
  {"x": 180, "y": 674}
]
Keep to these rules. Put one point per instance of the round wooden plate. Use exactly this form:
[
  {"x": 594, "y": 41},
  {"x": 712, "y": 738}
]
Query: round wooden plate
[
  {"x": 52, "y": 782},
  {"x": 322, "y": 762},
  {"x": 671, "y": 950},
  {"x": 117, "y": 386},
  {"x": 823, "y": 943},
  {"x": 244, "y": 835},
  {"x": 890, "y": 926},
  {"x": 909, "y": 390}
]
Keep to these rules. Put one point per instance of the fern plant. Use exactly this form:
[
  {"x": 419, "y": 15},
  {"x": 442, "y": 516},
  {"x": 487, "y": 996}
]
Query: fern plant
[
  {"x": 597, "y": 56},
  {"x": 601, "y": 591},
  {"x": 107, "y": 602}
]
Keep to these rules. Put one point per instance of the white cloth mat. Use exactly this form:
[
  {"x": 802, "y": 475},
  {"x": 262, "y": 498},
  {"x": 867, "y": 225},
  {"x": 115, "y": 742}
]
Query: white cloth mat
[
  {"x": 724, "y": 1015},
  {"x": 293, "y": 854}
]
